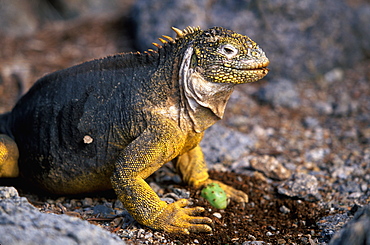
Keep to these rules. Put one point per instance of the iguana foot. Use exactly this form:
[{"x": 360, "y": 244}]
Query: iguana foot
[
  {"x": 233, "y": 194},
  {"x": 175, "y": 218},
  {"x": 8, "y": 157}
]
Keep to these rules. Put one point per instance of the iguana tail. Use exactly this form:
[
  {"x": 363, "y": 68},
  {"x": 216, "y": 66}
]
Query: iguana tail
[
  {"x": 4, "y": 123},
  {"x": 8, "y": 151}
]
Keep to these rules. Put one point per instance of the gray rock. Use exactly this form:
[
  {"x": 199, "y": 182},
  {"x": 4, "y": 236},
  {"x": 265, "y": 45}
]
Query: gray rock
[
  {"x": 221, "y": 144},
  {"x": 279, "y": 92},
  {"x": 22, "y": 223},
  {"x": 284, "y": 209},
  {"x": 270, "y": 167},
  {"x": 175, "y": 194},
  {"x": 316, "y": 154},
  {"x": 344, "y": 105},
  {"x": 76, "y": 8},
  {"x": 324, "y": 107},
  {"x": 342, "y": 172},
  {"x": 311, "y": 122},
  {"x": 103, "y": 211},
  {"x": 17, "y": 18},
  {"x": 331, "y": 224},
  {"x": 148, "y": 17},
  {"x": 254, "y": 243},
  {"x": 23, "y": 17},
  {"x": 334, "y": 75},
  {"x": 301, "y": 38},
  {"x": 356, "y": 231},
  {"x": 302, "y": 186},
  {"x": 181, "y": 193},
  {"x": 242, "y": 164}
]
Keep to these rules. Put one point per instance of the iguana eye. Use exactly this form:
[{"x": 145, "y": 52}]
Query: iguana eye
[{"x": 228, "y": 50}]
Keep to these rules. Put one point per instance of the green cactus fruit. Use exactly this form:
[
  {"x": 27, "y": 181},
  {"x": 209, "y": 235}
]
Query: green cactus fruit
[{"x": 215, "y": 195}]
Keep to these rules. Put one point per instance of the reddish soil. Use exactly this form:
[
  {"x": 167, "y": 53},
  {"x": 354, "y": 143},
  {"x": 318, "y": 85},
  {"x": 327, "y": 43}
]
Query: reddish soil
[{"x": 260, "y": 220}]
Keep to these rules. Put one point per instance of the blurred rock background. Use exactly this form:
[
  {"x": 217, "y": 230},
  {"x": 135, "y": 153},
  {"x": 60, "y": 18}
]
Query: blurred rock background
[{"x": 303, "y": 39}]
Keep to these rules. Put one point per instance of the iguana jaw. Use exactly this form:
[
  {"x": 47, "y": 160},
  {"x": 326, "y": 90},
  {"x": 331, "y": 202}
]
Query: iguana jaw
[
  {"x": 249, "y": 64},
  {"x": 255, "y": 74},
  {"x": 259, "y": 68},
  {"x": 243, "y": 71}
]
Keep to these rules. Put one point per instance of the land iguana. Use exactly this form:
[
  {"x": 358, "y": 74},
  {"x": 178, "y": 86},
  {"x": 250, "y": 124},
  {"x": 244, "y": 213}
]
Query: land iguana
[{"x": 112, "y": 122}]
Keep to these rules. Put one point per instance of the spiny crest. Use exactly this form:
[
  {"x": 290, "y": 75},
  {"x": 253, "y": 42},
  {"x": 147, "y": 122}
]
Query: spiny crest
[
  {"x": 179, "y": 34},
  {"x": 186, "y": 31}
]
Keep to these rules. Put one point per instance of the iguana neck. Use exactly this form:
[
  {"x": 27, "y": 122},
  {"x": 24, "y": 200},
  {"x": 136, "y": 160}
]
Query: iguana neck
[{"x": 202, "y": 103}]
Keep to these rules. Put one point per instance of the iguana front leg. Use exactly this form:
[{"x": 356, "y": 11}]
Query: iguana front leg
[
  {"x": 140, "y": 159},
  {"x": 194, "y": 171}
]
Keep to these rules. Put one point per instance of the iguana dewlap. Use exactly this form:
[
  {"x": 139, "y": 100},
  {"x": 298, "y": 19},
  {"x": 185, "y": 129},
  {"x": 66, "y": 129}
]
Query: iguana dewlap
[{"x": 112, "y": 122}]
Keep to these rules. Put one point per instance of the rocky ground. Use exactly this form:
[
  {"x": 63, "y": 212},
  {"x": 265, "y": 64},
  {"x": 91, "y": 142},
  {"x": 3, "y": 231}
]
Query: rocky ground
[{"x": 301, "y": 150}]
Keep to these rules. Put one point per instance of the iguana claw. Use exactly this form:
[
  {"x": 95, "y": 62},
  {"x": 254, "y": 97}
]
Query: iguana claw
[{"x": 176, "y": 218}]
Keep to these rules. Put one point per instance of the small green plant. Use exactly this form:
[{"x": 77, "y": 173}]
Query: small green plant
[{"x": 215, "y": 195}]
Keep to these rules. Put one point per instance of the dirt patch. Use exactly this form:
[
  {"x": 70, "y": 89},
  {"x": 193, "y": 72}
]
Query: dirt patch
[{"x": 267, "y": 217}]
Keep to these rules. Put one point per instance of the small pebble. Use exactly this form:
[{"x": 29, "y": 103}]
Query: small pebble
[
  {"x": 116, "y": 221},
  {"x": 87, "y": 202},
  {"x": 302, "y": 186},
  {"x": 88, "y": 139},
  {"x": 334, "y": 75},
  {"x": 270, "y": 167},
  {"x": 284, "y": 209},
  {"x": 251, "y": 237},
  {"x": 217, "y": 215},
  {"x": 281, "y": 241},
  {"x": 103, "y": 210},
  {"x": 310, "y": 122},
  {"x": 181, "y": 193},
  {"x": 355, "y": 195},
  {"x": 270, "y": 227},
  {"x": 364, "y": 187},
  {"x": 118, "y": 204}
]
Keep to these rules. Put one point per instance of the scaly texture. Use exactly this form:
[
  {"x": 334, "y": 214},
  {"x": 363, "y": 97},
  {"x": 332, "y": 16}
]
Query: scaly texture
[
  {"x": 8, "y": 157},
  {"x": 112, "y": 122}
]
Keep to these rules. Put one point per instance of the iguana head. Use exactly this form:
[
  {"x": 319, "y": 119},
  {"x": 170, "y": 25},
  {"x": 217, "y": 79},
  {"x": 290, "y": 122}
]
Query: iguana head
[
  {"x": 222, "y": 55},
  {"x": 209, "y": 64}
]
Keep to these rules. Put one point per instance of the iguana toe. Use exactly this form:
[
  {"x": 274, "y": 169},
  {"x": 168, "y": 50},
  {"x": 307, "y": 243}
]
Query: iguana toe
[{"x": 176, "y": 218}]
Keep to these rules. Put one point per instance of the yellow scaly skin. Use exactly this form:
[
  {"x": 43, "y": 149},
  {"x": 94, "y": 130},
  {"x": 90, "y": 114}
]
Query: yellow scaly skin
[
  {"x": 71, "y": 141},
  {"x": 8, "y": 157}
]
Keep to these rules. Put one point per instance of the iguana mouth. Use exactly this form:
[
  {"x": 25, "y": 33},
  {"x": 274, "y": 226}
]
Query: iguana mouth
[
  {"x": 256, "y": 69},
  {"x": 259, "y": 66},
  {"x": 249, "y": 65},
  {"x": 238, "y": 73},
  {"x": 261, "y": 72}
]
